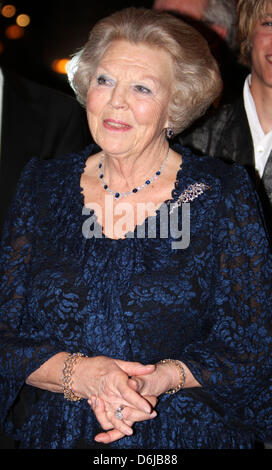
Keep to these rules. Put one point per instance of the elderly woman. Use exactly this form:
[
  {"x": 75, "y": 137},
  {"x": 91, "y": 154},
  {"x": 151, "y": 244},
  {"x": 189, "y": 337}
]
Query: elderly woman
[{"x": 115, "y": 333}]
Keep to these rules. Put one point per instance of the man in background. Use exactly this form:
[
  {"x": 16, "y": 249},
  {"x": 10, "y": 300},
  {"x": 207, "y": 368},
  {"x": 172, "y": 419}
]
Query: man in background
[
  {"x": 216, "y": 20},
  {"x": 35, "y": 121},
  {"x": 242, "y": 131},
  {"x": 219, "y": 15}
]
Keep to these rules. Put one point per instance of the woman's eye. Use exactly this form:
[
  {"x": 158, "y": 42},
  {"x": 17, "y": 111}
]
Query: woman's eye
[
  {"x": 101, "y": 80},
  {"x": 142, "y": 89},
  {"x": 267, "y": 23}
]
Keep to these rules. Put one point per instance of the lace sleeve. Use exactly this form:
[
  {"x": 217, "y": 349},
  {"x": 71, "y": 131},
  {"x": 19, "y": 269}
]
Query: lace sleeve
[
  {"x": 20, "y": 353},
  {"x": 234, "y": 362}
]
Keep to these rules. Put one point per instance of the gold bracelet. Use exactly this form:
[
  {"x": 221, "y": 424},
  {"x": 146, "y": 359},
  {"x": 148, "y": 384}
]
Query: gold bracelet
[
  {"x": 68, "y": 369},
  {"x": 182, "y": 375}
]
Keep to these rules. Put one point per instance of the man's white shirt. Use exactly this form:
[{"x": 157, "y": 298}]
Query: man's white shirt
[{"x": 262, "y": 142}]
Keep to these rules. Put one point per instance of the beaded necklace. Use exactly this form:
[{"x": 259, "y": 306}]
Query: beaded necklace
[{"x": 118, "y": 195}]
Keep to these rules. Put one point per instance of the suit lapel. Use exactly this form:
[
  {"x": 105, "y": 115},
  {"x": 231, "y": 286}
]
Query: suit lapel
[
  {"x": 267, "y": 177},
  {"x": 239, "y": 133}
]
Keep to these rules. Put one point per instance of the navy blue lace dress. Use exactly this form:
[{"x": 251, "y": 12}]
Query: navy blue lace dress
[{"x": 208, "y": 305}]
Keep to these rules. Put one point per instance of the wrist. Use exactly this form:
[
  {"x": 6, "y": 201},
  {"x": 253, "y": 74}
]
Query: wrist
[
  {"x": 176, "y": 374},
  {"x": 70, "y": 363}
]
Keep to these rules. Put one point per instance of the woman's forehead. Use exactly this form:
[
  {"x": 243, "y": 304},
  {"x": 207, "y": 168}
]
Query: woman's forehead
[
  {"x": 143, "y": 57},
  {"x": 135, "y": 52}
]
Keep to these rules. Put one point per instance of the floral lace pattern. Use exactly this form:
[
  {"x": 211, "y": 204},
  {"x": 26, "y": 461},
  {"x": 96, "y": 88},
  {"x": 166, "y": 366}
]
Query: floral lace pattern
[{"x": 138, "y": 299}]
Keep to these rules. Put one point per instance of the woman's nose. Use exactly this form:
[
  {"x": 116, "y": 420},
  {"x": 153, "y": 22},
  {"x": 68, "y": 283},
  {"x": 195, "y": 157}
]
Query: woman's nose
[{"x": 118, "y": 97}]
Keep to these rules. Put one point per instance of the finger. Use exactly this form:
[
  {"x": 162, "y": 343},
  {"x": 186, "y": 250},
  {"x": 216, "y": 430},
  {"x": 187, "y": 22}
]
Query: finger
[
  {"x": 136, "y": 384},
  {"x": 111, "y": 436},
  {"x": 153, "y": 400},
  {"x": 92, "y": 401},
  {"x": 133, "y": 415},
  {"x": 125, "y": 395},
  {"x": 133, "y": 398},
  {"x": 133, "y": 384},
  {"x": 108, "y": 437},
  {"x": 135, "y": 368},
  {"x": 98, "y": 408},
  {"x": 120, "y": 424}
]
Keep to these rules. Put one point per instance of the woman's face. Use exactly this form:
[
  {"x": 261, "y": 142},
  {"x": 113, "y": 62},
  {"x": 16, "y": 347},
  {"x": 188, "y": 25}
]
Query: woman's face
[{"x": 127, "y": 102}]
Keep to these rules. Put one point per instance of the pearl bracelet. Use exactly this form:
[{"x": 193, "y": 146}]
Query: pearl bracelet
[
  {"x": 182, "y": 375},
  {"x": 68, "y": 369}
]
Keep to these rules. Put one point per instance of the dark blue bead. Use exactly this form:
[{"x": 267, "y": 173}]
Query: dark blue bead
[
  {"x": 101, "y": 175},
  {"x": 135, "y": 190},
  {"x": 117, "y": 195},
  {"x": 147, "y": 182},
  {"x": 100, "y": 165},
  {"x": 158, "y": 173},
  {"x": 105, "y": 186}
]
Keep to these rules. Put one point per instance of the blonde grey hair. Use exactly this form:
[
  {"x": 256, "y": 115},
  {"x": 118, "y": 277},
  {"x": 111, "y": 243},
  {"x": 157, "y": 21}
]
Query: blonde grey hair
[{"x": 197, "y": 77}]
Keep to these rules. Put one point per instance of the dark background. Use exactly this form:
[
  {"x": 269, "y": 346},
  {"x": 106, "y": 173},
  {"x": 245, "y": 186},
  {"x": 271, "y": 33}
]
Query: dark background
[{"x": 56, "y": 30}]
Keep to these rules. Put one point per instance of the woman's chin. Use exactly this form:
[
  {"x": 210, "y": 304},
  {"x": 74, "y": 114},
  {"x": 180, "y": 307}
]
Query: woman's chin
[{"x": 116, "y": 149}]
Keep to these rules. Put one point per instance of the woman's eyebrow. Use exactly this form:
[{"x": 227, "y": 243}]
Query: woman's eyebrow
[
  {"x": 152, "y": 78},
  {"x": 102, "y": 69},
  {"x": 155, "y": 80}
]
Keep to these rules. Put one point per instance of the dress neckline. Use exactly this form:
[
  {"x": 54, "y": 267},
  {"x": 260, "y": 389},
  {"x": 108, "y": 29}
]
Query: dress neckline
[{"x": 178, "y": 186}]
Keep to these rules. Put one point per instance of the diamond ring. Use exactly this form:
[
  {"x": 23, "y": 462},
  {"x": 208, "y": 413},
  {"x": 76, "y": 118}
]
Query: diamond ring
[{"x": 118, "y": 413}]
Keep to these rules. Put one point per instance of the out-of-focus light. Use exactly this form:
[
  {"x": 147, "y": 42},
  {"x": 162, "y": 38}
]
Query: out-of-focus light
[
  {"x": 14, "y": 32},
  {"x": 1, "y": 47},
  {"x": 8, "y": 11},
  {"x": 59, "y": 65},
  {"x": 23, "y": 20}
]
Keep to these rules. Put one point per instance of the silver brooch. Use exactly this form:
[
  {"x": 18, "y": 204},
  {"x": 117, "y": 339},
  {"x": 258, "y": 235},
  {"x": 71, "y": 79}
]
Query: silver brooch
[{"x": 189, "y": 194}]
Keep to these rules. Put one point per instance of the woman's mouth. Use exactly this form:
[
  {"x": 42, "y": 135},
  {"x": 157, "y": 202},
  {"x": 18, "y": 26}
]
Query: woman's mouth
[{"x": 113, "y": 125}]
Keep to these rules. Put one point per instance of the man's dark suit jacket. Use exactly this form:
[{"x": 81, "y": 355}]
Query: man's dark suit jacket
[
  {"x": 225, "y": 134},
  {"x": 36, "y": 121}
]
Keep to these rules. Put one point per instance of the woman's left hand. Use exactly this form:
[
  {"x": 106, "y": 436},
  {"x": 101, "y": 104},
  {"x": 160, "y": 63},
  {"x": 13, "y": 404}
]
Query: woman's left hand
[
  {"x": 166, "y": 376},
  {"x": 130, "y": 416}
]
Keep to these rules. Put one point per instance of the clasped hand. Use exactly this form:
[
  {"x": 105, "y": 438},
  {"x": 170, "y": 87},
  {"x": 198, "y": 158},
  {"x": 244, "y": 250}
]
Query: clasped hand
[{"x": 115, "y": 383}]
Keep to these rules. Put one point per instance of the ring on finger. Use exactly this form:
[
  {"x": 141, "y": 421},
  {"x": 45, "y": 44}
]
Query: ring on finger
[{"x": 118, "y": 413}]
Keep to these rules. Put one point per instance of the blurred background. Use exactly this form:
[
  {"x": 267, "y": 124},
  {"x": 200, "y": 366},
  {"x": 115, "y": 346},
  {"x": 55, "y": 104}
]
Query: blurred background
[{"x": 37, "y": 37}]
